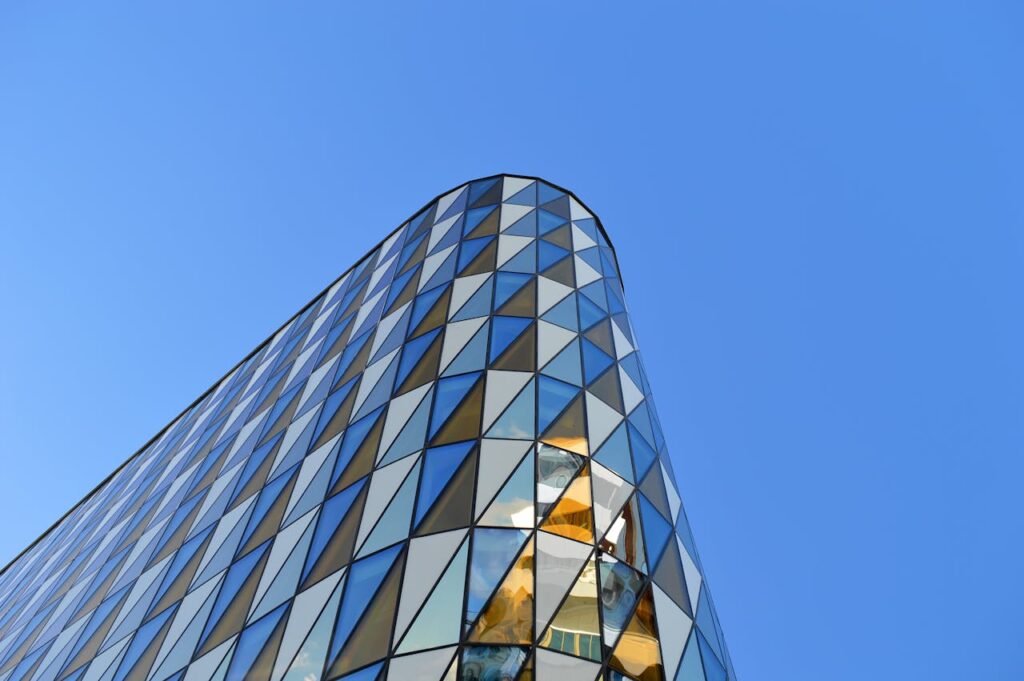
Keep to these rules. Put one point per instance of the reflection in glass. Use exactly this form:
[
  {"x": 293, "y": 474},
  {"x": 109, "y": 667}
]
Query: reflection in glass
[
  {"x": 576, "y": 629},
  {"x": 513, "y": 506},
  {"x": 637, "y": 652},
  {"x": 620, "y": 587},
  {"x": 571, "y": 516},
  {"x": 555, "y": 470},
  {"x": 508, "y": 618},
  {"x": 492, "y": 663},
  {"x": 493, "y": 552},
  {"x": 623, "y": 539}
]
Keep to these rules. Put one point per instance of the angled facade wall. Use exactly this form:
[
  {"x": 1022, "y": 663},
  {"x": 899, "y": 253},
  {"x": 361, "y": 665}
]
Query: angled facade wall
[{"x": 447, "y": 466}]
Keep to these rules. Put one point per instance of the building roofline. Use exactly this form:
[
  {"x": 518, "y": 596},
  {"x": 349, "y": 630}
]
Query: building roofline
[{"x": 269, "y": 338}]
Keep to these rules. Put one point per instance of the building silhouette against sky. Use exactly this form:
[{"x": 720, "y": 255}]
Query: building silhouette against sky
[{"x": 447, "y": 466}]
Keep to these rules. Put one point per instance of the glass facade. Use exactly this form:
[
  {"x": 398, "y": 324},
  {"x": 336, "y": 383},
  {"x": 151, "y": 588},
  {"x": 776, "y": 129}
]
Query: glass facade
[{"x": 447, "y": 466}]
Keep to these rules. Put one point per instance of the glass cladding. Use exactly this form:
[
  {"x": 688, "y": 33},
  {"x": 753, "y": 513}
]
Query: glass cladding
[{"x": 447, "y": 467}]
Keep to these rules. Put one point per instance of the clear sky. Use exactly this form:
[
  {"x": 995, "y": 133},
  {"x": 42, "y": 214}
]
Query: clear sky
[{"x": 816, "y": 205}]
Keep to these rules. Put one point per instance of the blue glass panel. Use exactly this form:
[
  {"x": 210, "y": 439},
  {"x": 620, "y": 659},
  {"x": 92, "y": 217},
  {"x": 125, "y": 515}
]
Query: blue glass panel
[
  {"x": 547, "y": 193},
  {"x": 233, "y": 581},
  {"x": 523, "y": 261},
  {"x": 478, "y": 189},
  {"x": 594, "y": 292},
  {"x": 524, "y": 226},
  {"x": 354, "y": 437},
  {"x": 364, "y": 578},
  {"x": 548, "y": 254},
  {"x": 589, "y": 227},
  {"x": 143, "y": 637},
  {"x": 706, "y": 624},
  {"x": 439, "y": 464},
  {"x": 547, "y": 221},
  {"x": 614, "y": 453},
  {"x": 251, "y": 642},
  {"x": 450, "y": 392},
  {"x": 590, "y": 313},
  {"x": 268, "y": 495},
  {"x": 595, "y": 361},
  {"x": 97, "y": 617},
  {"x": 413, "y": 352},
  {"x": 504, "y": 330},
  {"x": 657, "y": 530},
  {"x": 690, "y": 668},
  {"x": 615, "y": 303},
  {"x": 643, "y": 455},
  {"x": 474, "y": 216},
  {"x": 331, "y": 406},
  {"x": 256, "y": 459},
  {"x": 566, "y": 365},
  {"x": 181, "y": 559},
  {"x": 332, "y": 513},
  {"x": 592, "y": 257},
  {"x": 564, "y": 314},
  {"x": 422, "y": 305},
  {"x": 713, "y": 669},
  {"x": 470, "y": 249},
  {"x": 506, "y": 286},
  {"x": 524, "y": 197},
  {"x": 553, "y": 396}
]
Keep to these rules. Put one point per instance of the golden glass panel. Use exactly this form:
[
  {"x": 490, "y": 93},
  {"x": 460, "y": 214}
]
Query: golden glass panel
[
  {"x": 508, "y": 618},
  {"x": 573, "y": 516},
  {"x": 637, "y": 652}
]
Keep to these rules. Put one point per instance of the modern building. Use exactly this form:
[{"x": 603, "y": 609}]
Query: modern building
[{"x": 446, "y": 467}]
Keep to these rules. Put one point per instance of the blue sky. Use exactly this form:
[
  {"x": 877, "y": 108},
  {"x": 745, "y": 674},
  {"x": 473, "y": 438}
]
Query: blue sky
[{"x": 816, "y": 206}]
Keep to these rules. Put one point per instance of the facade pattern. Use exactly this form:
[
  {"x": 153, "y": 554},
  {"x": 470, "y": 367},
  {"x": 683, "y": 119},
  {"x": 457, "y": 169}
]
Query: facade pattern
[{"x": 446, "y": 467}]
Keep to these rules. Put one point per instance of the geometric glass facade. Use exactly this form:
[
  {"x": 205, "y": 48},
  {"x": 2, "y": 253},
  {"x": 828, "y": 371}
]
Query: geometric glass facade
[{"x": 446, "y": 467}]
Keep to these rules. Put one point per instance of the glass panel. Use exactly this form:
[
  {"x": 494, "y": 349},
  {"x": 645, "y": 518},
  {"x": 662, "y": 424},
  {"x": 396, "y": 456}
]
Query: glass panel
[
  {"x": 571, "y": 516},
  {"x": 513, "y": 506},
  {"x": 577, "y": 619},
  {"x": 492, "y": 663},
  {"x": 637, "y": 653},
  {"x": 620, "y": 589},
  {"x": 555, "y": 470},
  {"x": 493, "y": 552},
  {"x": 509, "y": 616}
]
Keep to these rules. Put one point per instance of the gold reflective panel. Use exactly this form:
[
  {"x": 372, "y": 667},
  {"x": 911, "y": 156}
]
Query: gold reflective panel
[
  {"x": 572, "y": 516},
  {"x": 637, "y": 652},
  {"x": 576, "y": 628},
  {"x": 508, "y": 618}
]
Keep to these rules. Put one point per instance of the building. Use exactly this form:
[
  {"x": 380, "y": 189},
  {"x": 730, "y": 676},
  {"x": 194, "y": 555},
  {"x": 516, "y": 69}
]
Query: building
[{"x": 446, "y": 466}]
